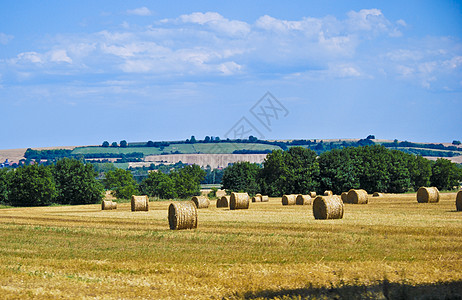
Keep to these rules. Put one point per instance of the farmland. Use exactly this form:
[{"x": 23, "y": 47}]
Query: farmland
[
  {"x": 392, "y": 246},
  {"x": 222, "y": 148}
]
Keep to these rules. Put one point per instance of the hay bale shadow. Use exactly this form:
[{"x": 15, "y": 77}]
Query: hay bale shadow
[{"x": 383, "y": 290}]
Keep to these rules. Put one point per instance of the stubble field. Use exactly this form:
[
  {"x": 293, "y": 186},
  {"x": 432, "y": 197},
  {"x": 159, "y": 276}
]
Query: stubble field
[{"x": 392, "y": 247}]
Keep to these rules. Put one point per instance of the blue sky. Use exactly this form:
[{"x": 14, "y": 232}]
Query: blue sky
[{"x": 81, "y": 72}]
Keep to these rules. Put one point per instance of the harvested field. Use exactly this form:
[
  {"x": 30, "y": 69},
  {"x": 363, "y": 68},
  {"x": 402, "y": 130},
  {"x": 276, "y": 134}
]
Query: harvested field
[{"x": 393, "y": 245}]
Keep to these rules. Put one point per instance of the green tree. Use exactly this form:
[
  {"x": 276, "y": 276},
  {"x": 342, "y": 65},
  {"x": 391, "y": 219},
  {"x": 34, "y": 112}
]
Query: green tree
[
  {"x": 32, "y": 185},
  {"x": 123, "y": 144},
  {"x": 114, "y": 144},
  {"x": 420, "y": 171},
  {"x": 289, "y": 172},
  {"x": 105, "y": 144},
  {"x": 4, "y": 181},
  {"x": 338, "y": 170},
  {"x": 445, "y": 174},
  {"x": 242, "y": 177},
  {"x": 121, "y": 182},
  {"x": 158, "y": 184},
  {"x": 399, "y": 174},
  {"x": 187, "y": 180},
  {"x": 76, "y": 182}
]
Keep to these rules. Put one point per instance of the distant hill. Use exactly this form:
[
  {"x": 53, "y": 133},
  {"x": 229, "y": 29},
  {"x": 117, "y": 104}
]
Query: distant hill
[{"x": 217, "y": 153}]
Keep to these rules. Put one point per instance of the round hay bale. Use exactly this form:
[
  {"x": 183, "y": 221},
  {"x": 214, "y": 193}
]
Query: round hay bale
[
  {"x": 428, "y": 195},
  {"x": 257, "y": 198},
  {"x": 459, "y": 201},
  {"x": 264, "y": 198},
  {"x": 114, "y": 205},
  {"x": 220, "y": 193},
  {"x": 106, "y": 205},
  {"x": 343, "y": 196},
  {"x": 108, "y": 195},
  {"x": 312, "y": 194},
  {"x": 303, "y": 200},
  {"x": 223, "y": 201},
  {"x": 328, "y": 207},
  {"x": 239, "y": 201},
  {"x": 328, "y": 193},
  {"x": 182, "y": 215},
  {"x": 357, "y": 197},
  {"x": 377, "y": 194},
  {"x": 140, "y": 203},
  {"x": 201, "y": 201},
  {"x": 289, "y": 199}
]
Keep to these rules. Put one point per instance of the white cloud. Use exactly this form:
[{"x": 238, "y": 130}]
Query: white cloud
[
  {"x": 27, "y": 57},
  {"x": 217, "y": 22},
  {"x": 229, "y": 68},
  {"x": 60, "y": 56},
  {"x": 343, "y": 70},
  {"x": 208, "y": 44},
  {"x": 5, "y": 38},
  {"x": 141, "y": 11}
]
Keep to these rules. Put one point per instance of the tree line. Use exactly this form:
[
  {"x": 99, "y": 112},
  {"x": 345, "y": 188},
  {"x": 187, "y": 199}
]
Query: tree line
[
  {"x": 297, "y": 170},
  {"x": 71, "y": 182},
  {"x": 373, "y": 168}
]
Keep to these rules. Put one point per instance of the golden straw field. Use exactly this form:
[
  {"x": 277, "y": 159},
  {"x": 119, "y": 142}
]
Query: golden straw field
[{"x": 392, "y": 247}]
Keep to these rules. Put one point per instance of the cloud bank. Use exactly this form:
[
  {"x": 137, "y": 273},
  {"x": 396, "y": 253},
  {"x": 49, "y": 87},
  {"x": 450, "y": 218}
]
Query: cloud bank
[{"x": 364, "y": 44}]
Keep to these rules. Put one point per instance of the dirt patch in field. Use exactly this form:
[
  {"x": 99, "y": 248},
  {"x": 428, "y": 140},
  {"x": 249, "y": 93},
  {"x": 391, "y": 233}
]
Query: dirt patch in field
[
  {"x": 14, "y": 155},
  {"x": 213, "y": 160}
]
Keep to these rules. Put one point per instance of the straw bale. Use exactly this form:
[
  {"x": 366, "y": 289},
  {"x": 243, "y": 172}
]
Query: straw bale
[
  {"x": 377, "y": 194},
  {"x": 201, "y": 201},
  {"x": 182, "y": 215},
  {"x": 114, "y": 205},
  {"x": 140, "y": 203},
  {"x": 220, "y": 193},
  {"x": 459, "y": 201},
  {"x": 264, "y": 198},
  {"x": 289, "y": 199},
  {"x": 428, "y": 195},
  {"x": 223, "y": 201},
  {"x": 106, "y": 205},
  {"x": 312, "y": 194},
  {"x": 328, "y": 193},
  {"x": 303, "y": 200},
  {"x": 239, "y": 201},
  {"x": 328, "y": 207},
  {"x": 109, "y": 195},
  {"x": 257, "y": 198},
  {"x": 357, "y": 197},
  {"x": 205, "y": 192},
  {"x": 343, "y": 196}
]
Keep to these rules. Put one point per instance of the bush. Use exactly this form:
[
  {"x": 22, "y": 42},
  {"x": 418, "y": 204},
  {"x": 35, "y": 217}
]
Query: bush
[
  {"x": 122, "y": 183},
  {"x": 76, "y": 183},
  {"x": 32, "y": 185},
  {"x": 4, "y": 182}
]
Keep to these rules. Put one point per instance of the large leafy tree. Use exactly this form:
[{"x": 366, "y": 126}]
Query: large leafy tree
[
  {"x": 420, "y": 170},
  {"x": 121, "y": 182},
  {"x": 445, "y": 174},
  {"x": 76, "y": 182},
  {"x": 399, "y": 179},
  {"x": 187, "y": 180},
  {"x": 287, "y": 172},
  {"x": 241, "y": 177},
  {"x": 32, "y": 185},
  {"x": 158, "y": 184},
  {"x": 339, "y": 170},
  {"x": 4, "y": 181}
]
